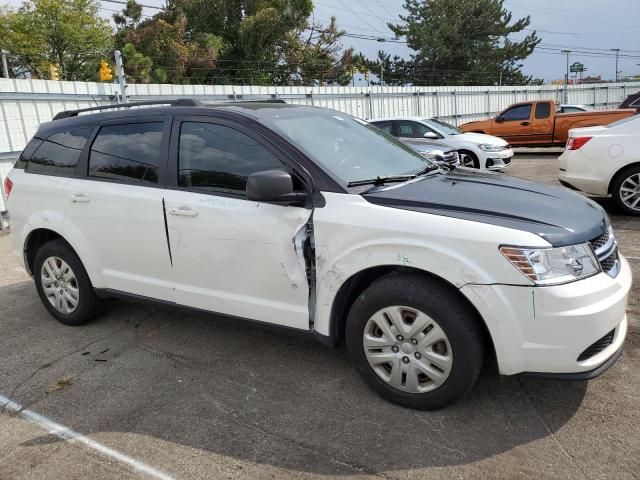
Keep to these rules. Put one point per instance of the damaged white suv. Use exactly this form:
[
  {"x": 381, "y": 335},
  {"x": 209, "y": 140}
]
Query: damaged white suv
[{"x": 313, "y": 220}]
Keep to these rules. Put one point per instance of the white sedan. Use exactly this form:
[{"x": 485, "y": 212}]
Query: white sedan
[
  {"x": 476, "y": 150},
  {"x": 604, "y": 161}
]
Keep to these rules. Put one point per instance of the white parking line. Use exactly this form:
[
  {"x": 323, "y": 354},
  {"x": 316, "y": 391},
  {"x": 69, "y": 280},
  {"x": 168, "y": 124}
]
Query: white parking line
[{"x": 65, "y": 433}]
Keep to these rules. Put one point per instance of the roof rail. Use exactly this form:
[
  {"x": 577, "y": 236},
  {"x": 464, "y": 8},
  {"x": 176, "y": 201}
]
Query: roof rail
[{"x": 180, "y": 102}]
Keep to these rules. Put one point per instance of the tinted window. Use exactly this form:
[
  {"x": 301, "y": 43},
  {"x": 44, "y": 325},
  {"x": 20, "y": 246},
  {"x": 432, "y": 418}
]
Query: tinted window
[
  {"x": 412, "y": 129},
  {"x": 543, "y": 110},
  {"x": 384, "y": 126},
  {"x": 521, "y": 112},
  {"x": 219, "y": 158},
  {"x": 59, "y": 153},
  {"x": 129, "y": 152},
  {"x": 27, "y": 153}
]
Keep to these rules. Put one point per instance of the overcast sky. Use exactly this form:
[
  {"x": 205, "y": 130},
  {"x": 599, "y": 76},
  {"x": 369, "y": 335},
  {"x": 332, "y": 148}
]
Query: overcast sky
[{"x": 593, "y": 26}]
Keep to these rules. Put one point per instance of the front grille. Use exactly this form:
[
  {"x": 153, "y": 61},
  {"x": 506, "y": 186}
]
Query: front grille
[
  {"x": 606, "y": 251},
  {"x": 597, "y": 347}
]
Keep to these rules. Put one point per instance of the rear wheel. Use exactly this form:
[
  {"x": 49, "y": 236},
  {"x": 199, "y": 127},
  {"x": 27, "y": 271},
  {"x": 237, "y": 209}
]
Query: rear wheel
[
  {"x": 414, "y": 342},
  {"x": 468, "y": 159},
  {"x": 63, "y": 284},
  {"x": 626, "y": 190}
]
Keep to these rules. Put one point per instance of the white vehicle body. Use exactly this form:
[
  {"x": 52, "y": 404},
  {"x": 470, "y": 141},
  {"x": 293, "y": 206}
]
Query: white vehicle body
[
  {"x": 565, "y": 108},
  {"x": 476, "y": 150},
  {"x": 596, "y": 156},
  {"x": 296, "y": 265}
]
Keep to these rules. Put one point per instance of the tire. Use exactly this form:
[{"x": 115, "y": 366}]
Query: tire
[
  {"x": 471, "y": 160},
  {"x": 622, "y": 189},
  {"x": 57, "y": 254},
  {"x": 442, "y": 308}
]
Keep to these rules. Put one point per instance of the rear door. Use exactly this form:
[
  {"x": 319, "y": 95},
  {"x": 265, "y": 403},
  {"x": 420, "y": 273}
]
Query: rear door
[
  {"x": 514, "y": 124},
  {"x": 114, "y": 208},
  {"x": 231, "y": 255}
]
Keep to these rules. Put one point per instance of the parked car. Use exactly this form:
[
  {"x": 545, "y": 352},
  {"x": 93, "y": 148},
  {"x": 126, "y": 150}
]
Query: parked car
[
  {"x": 475, "y": 150},
  {"x": 536, "y": 124},
  {"x": 605, "y": 161},
  {"x": 573, "y": 108},
  {"x": 319, "y": 223}
]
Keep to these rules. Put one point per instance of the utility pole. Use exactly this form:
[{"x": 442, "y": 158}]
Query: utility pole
[
  {"x": 5, "y": 68},
  {"x": 121, "y": 78},
  {"x": 617, "y": 50},
  {"x": 566, "y": 78}
]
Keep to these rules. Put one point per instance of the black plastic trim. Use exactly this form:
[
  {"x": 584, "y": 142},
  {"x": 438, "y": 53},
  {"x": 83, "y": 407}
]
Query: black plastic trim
[{"x": 578, "y": 375}]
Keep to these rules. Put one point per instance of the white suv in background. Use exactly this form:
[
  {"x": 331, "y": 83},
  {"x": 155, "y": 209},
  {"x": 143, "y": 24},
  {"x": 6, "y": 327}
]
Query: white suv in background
[
  {"x": 476, "y": 150},
  {"x": 317, "y": 222},
  {"x": 605, "y": 160}
]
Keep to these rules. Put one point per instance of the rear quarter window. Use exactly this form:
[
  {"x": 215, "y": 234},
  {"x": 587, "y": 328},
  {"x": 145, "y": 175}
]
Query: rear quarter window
[
  {"x": 26, "y": 154},
  {"x": 58, "y": 154}
]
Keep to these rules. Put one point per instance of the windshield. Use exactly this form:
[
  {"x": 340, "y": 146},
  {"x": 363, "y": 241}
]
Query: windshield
[
  {"x": 349, "y": 148},
  {"x": 623, "y": 121},
  {"x": 443, "y": 126}
]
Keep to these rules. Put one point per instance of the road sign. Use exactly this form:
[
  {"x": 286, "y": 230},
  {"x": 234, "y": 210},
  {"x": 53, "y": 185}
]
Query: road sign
[{"x": 576, "y": 67}]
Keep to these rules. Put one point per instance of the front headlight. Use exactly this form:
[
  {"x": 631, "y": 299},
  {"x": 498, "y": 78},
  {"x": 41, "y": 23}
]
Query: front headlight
[
  {"x": 552, "y": 266},
  {"x": 492, "y": 148}
]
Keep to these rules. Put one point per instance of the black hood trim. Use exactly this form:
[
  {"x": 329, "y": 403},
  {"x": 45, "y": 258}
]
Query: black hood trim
[{"x": 565, "y": 218}]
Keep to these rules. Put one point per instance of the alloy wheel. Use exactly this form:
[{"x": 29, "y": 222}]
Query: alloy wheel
[
  {"x": 60, "y": 285},
  {"x": 407, "y": 349},
  {"x": 466, "y": 160},
  {"x": 630, "y": 191}
]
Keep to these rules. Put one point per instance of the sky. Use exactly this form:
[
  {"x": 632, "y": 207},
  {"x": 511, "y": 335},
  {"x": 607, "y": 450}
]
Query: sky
[{"x": 589, "y": 27}]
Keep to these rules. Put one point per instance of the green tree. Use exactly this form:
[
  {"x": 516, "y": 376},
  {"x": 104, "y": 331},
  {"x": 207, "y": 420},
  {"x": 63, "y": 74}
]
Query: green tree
[
  {"x": 66, "y": 33},
  {"x": 464, "y": 42}
]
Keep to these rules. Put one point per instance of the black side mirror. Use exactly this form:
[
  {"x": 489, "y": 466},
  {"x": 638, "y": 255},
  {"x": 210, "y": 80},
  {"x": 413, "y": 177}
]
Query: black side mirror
[
  {"x": 273, "y": 186},
  {"x": 499, "y": 119}
]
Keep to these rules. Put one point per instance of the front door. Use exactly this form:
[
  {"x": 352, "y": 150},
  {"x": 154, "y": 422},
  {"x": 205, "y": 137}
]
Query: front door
[
  {"x": 514, "y": 124},
  {"x": 231, "y": 255}
]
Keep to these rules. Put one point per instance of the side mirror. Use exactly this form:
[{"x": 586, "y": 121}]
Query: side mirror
[
  {"x": 273, "y": 186},
  {"x": 430, "y": 135},
  {"x": 499, "y": 119}
]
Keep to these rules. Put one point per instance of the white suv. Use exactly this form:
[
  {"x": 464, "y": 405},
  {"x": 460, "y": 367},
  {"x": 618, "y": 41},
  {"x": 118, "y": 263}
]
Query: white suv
[
  {"x": 312, "y": 220},
  {"x": 476, "y": 150}
]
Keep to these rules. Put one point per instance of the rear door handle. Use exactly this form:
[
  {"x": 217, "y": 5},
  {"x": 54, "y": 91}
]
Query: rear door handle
[
  {"x": 79, "y": 198},
  {"x": 524, "y": 124},
  {"x": 183, "y": 212}
]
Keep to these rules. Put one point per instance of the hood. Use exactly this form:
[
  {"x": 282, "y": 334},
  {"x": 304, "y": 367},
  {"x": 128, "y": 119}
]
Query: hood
[
  {"x": 480, "y": 138},
  {"x": 556, "y": 214}
]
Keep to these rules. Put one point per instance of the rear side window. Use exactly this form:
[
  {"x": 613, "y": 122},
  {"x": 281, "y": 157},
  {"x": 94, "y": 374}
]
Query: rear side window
[
  {"x": 128, "y": 152},
  {"x": 219, "y": 158},
  {"x": 543, "y": 110},
  {"x": 58, "y": 154},
  {"x": 384, "y": 126}
]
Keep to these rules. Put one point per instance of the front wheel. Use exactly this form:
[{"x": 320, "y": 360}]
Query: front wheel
[
  {"x": 414, "y": 342},
  {"x": 468, "y": 159},
  {"x": 626, "y": 190}
]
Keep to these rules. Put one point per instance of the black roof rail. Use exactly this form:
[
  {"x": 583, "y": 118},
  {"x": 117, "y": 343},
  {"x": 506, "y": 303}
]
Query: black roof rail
[{"x": 180, "y": 102}]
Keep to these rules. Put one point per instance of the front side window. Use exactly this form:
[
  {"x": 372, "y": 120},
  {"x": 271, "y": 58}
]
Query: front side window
[
  {"x": 59, "y": 153},
  {"x": 520, "y": 112},
  {"x": 218, "y": 158},
  {"x": 128, "y": 152},
  {"x": 412, "y": 129}
]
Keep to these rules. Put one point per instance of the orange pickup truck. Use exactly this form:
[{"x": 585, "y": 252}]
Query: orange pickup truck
[{"x": 537, "y": 123}]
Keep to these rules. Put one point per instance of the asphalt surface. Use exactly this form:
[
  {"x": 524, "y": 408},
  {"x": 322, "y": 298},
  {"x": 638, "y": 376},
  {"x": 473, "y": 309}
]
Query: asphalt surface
[{"x": 186, "y": 396}]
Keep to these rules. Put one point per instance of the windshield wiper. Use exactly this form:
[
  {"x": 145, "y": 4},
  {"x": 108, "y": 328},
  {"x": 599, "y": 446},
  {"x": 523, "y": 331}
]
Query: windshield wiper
[{"x": 381, "y": 180}]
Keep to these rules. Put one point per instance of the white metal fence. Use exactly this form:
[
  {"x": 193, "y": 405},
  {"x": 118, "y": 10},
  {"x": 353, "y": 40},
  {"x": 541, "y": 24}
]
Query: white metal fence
[{"x": 24, "y": 104}]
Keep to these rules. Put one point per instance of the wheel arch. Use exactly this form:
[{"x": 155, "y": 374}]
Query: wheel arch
[
  {"x": 619, "y": 173},
  {"x": 35, "y": 240},
  {"x": 359, "y": 281}
]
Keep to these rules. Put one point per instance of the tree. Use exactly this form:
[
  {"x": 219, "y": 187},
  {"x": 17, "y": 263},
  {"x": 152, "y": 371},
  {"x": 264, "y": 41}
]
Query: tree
[
  {"x": 67, "y": 33},
  {"x": 464, "y": 42}
]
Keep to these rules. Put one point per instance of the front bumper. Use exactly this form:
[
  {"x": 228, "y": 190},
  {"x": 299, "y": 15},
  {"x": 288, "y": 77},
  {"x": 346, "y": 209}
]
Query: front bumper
[
  {"x": 497, "y": 160},
  {"x": 546, "y": 329}
]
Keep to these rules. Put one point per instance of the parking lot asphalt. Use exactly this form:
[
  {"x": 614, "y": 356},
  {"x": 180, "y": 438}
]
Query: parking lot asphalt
[{"x": 148, "y": 392}]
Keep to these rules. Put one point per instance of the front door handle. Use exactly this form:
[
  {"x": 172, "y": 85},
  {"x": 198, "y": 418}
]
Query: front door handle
[
  {"x": 183, "y": 212},
  {"x": 524, "y": 124},
  {"x": 79, "y": 198}
]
